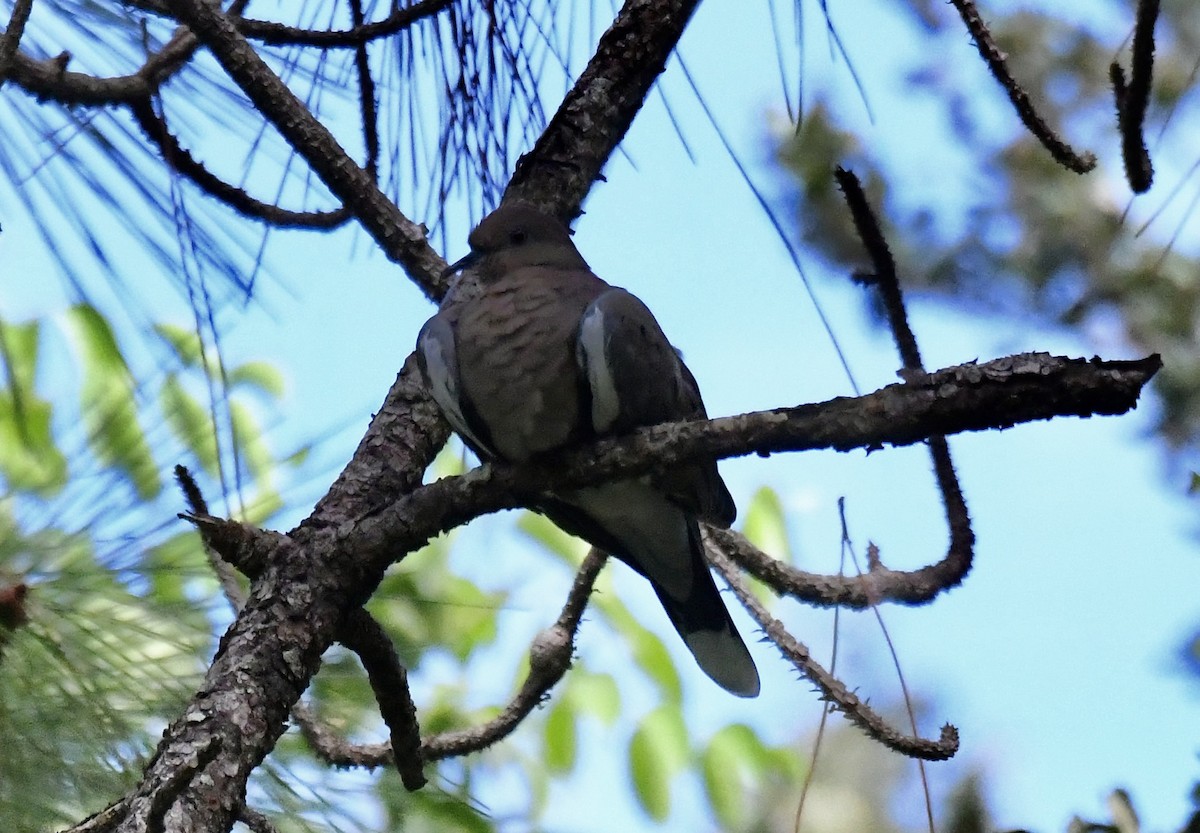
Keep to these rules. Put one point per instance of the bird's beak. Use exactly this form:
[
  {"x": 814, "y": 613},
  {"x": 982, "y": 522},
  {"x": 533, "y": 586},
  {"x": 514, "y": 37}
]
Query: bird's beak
[{"x": 459, "y": 265}]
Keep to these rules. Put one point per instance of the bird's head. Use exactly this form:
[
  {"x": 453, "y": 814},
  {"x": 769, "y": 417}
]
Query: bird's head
[{"x": 516, "y": 236}]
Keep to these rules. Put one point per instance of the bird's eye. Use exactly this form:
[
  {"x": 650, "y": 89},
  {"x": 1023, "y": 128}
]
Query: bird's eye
[{"x": 517, "y": 237}]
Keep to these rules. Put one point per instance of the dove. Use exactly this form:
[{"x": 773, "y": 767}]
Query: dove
[{"x": 545, "y": 356}]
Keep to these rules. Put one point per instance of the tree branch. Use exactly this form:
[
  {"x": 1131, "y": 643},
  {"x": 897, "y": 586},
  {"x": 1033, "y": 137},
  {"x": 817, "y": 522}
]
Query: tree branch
[
  {"x": 1133, "y": 98},
  {"x": 10, "y": 38},
  {"x": 592, "y": 120},
  {"x": 182, "y": 162},
  {"x": 389, "y": 681},
  {"x": 400, "y": 239},
  {"x": 997, "y": 63},
  {"x": 318, "y": 571},
  {"x": 549, "y": 658},
  {"x": 832, "y": 689}
]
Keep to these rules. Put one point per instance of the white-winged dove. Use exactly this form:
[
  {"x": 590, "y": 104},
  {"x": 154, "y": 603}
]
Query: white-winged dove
[{"x": 548, "y": 355}]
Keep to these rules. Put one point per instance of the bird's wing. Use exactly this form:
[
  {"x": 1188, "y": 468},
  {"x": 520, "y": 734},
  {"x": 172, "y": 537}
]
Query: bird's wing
[
  {"x": 437, "y": 357},
  {"x": 636, "y": 378}
]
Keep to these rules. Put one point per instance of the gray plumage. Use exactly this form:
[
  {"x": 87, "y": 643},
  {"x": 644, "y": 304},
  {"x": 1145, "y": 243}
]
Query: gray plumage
[{"x": 548, "y": 355}]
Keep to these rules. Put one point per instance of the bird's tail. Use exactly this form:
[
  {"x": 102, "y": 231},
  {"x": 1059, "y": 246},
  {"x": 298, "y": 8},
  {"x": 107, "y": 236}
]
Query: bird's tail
[
  {"x": 703, "y": 621},
  {"x": 662, "y": 542}
]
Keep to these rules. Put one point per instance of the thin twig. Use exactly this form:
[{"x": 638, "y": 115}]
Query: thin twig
[
  {"x": 272, "y": 33},
  {"x": 887, "y": 282},
  {"x": 879, "y": 584},
  {"x": 368, "y": 108},
  {"x": 221, "y": 567},
  {"x": 278, "y": 34},
  {"x": 997, "y": 63},
  {"x": 334, "y": 749},
  {"x": 884, "y": 277},
  {"x": 399, "y": 238},
  {"x": 549, "y": 658},
  {"x": 1133, "y": 98},
  {"x": 181, "y": 160},
  {"x": 831, "y": 688}
]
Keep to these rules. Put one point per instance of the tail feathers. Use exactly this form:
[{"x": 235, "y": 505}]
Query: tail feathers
[
  {"x": 703, "y": 621},
  {"x": 662, "y": 542}
]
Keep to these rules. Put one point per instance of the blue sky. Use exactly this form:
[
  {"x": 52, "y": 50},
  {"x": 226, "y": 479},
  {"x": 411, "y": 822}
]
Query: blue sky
[{"x": 1056, "y": 659}]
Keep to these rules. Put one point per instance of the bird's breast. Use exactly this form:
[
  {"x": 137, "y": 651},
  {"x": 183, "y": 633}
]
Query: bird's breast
[{"x": 517, "y": 365}]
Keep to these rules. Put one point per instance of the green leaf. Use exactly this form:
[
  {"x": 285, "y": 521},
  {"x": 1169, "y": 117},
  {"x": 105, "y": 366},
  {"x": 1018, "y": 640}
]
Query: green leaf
[
  {"x": 766, "y": 524},
  {"x": 108, "y": 404},
  {"x": 183, "y": 342},
  {"x": 594, "y": 694},
  {"x": 29, "y": 460},
  {"x": 423, "y": 604},
  {"x": 190, "y": 423},
  {"x": 451, "y": 460},
  {"x": 254, "y": 455},
  {"x": 21, "y": 354},
  {"x": 658, "y": 750},
  {"x": 261, "y": 375},
  {"x": 733, "y": 759},
  {"x": 560, "y": 738},
  {"x": 649, "y": 652}
]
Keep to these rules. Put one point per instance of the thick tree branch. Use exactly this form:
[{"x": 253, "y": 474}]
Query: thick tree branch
[
  {"x": 318, "y": 572},
  {"x": 972, "y": 397},
  {"x": 592, "y": 120},
  {"x": 10, "y": 38}
]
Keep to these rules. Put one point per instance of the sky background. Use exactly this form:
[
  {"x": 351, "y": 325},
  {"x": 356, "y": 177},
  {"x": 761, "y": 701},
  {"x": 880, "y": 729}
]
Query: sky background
[{"x": 1058, "y": 657}]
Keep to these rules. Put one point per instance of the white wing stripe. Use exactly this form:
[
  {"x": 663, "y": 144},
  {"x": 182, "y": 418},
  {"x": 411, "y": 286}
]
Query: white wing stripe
[
  {"x": 593, "y": 359},
  {"x": 441, "y": 368}
]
